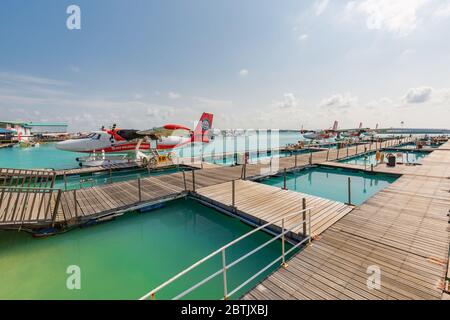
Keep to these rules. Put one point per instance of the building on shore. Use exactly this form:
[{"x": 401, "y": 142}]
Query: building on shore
[{"x": 25, "y": 130}]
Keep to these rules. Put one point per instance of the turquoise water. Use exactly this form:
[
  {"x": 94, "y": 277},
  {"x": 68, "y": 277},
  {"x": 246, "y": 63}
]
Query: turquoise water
[
  {"x": 127, "y": 257},
  {"x": 402, "y": 156},
  {"x": 44, "y": 156},
  {"x": 332, "y": 183},
  {"x": 230, "y": 160},
  {"x": 412, "y": 145},
  {"x": 101, "y": 178}
]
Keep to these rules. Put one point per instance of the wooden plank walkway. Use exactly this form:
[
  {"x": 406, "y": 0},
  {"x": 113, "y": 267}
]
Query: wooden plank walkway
[
  {"x": 261, "y": 203},
  {"x": 403, "y": 230}
]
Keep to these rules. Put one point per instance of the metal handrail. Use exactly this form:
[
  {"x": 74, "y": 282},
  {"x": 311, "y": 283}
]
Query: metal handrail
[{"x": 225, "y": 267}]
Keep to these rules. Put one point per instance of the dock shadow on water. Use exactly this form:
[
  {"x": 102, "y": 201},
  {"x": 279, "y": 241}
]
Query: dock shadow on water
[{"x": 127, "y": 257}]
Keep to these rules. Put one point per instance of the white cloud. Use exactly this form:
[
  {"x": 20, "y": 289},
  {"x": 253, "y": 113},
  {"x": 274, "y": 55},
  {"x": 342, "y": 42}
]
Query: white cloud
[
  {"x": 173, "y": 95},
  {"x": 213, "y": 104},
  {"x": 339, "y": 101},
  {"x": 443, "y": 11},
  {"x": 399, "y": 16},
  {"x": 418, "y": 95},
  {"x": 321, "y": 6},
  {"x": 243, "y": 73},
  {"x": 303, "y": 37},
  {"x": 289, "y": 101},
  {"x": 21, "y": 79},
  {"x": 74, "y": 69},
  {"x": 137, "y": 96}
]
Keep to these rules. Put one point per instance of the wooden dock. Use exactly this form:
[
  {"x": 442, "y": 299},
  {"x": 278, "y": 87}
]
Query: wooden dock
[
  {"x": 403, "y": 230},
  {"x": 259, "y": 203},
  {"x": 76, "y": 207}
]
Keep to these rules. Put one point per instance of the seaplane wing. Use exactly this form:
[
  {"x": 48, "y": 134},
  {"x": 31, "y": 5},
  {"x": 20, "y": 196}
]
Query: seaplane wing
[{"x": 160, "y": 132}]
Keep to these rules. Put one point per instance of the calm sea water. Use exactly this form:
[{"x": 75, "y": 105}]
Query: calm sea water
[
  {"x": 403, "y": 156},
  {"x": 126, "y": 258},
  {"x": 332, "y": 183}
]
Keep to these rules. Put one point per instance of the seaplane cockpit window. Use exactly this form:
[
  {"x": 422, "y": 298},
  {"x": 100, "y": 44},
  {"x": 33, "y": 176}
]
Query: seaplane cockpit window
[
  {"x": 98, "y": 136},
  {"x": 90, "y": 136}
]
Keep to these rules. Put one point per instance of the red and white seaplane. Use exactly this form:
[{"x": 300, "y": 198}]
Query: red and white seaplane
[
  {"x": 130, "y": 142},
  {"x": 322, "y": 134}
]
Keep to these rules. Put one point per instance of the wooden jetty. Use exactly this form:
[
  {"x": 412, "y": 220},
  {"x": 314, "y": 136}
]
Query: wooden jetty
[
  {"x": 403, "y": 230},
  {"x": 259, "y": 204},
  {"x": 76, "y": 207}
]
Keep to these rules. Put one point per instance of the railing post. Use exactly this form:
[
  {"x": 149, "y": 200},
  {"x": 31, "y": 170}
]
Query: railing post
[
  {"x": 55, "y": 210},
  {"x": 110, "y": 174},
  {"x": 284, "y": 179},
  {"x": 347, "y": 150},
  {"x": 193, "y": 180},
  {"x": 233, "y": 194},
  {"x": 356, "y": 148},
  {"x": 65, "y": 180},
  {"x": 139, "y": 189},
  {"x": 184, "y": 181},
  {"x": 349, "y": 191},
  {"x": 295, "y": 161},
  {"x": 304, "y": 215},
  {"x": 283, "y": 263},
  {"x": 328, "y": 152},
  {"x": 310, "y": 157},
  {"x": 224, "y": 266},
  {"x": 309, "y": 227},
  {"x": 337, "y": 153},
  {"x": 75, "y": 202}
]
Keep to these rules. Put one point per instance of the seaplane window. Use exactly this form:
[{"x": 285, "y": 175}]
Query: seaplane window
[
  {"x": 98, "y": 136},
  {"x": 91, "y": 135}
]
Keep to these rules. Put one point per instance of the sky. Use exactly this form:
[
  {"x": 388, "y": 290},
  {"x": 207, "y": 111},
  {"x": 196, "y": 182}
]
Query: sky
[{"x": 254, "y": 63}]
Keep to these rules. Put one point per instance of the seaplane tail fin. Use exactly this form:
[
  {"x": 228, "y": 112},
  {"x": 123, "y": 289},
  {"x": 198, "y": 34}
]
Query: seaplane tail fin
[
  {"x": 335, "y": 125},
  {"x": 376, "y": 127},
  {"x": 360, "y": 125},
  {"x": 203, "y": 126}
]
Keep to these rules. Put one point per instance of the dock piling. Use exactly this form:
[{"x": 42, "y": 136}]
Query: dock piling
[
  {"x": 349, "y": 191},
  {"x": 75, "y": 202},
  {"x": 193, "y": 180},
  {"x": 283, "y": 258},
  {"x": 284, "y": 179},
  {"x": 233, "y": 194},
  {"x": 139, "y": 189},
  {"x": 184, "y": 181},
  {"x": 328, "y": 153},
  {"x": 304, "y": 215},
  {"x": 65, "y": 181},
  {"x": 295, "y": 161}
]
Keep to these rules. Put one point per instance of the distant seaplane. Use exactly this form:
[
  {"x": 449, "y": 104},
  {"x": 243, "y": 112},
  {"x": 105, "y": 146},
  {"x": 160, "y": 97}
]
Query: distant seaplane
[{"x": 322, "y": 134}]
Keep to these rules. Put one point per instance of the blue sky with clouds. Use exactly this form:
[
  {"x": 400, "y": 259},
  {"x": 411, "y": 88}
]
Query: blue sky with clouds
[{"x": 254, "y": 64}]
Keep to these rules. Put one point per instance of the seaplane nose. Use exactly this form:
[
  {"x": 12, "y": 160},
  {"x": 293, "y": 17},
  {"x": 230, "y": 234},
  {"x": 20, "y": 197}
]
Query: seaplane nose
[{"x": 67, "y": 145}]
